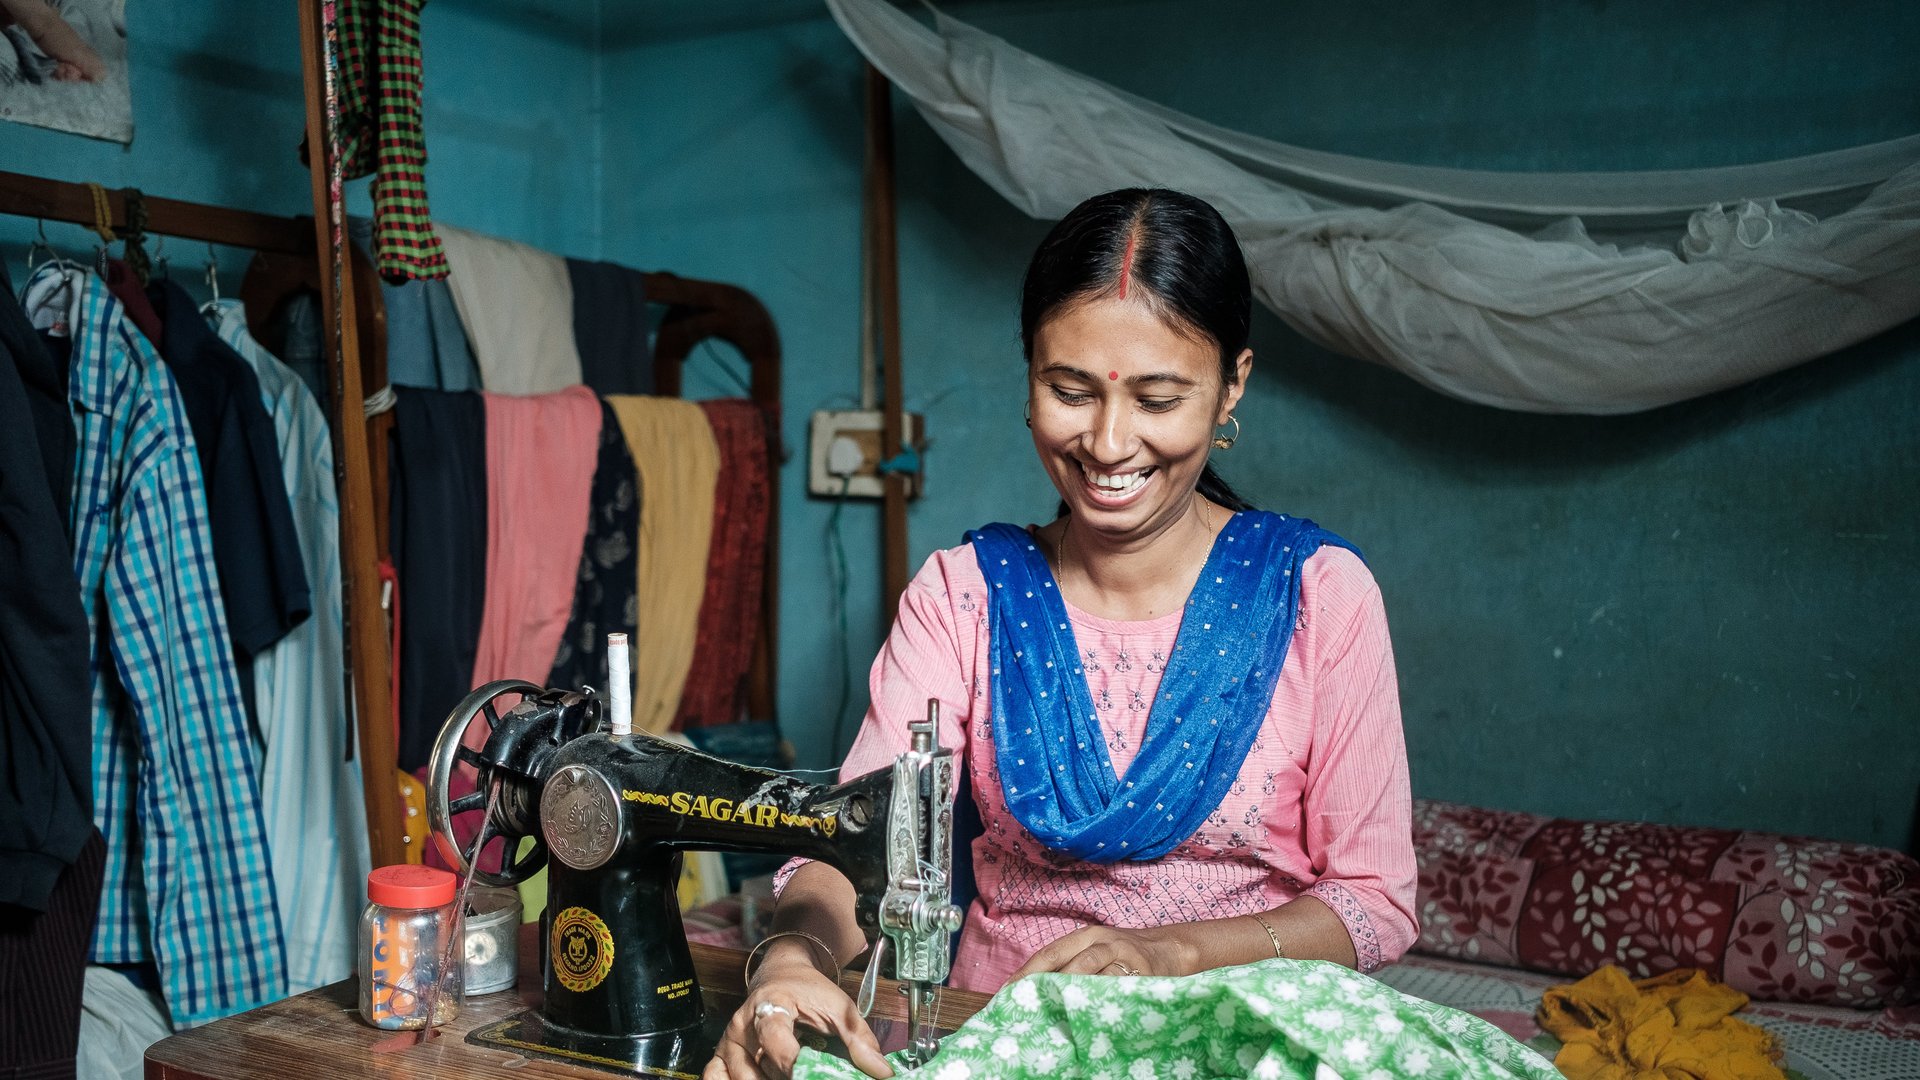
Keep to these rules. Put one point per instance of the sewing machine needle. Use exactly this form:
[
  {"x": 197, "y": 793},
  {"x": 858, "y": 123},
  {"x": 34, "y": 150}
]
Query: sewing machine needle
[{"x": 920, "y": 1026}]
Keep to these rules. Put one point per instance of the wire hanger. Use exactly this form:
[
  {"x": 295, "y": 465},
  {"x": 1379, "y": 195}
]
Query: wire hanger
[
  {"x": 66, "y": 266},
  {"x": 213, "y": 273},
  {"x": 40, "y": 243},
  {"x": 211, "y": 309},
  {"x": 61, "y": 296}
]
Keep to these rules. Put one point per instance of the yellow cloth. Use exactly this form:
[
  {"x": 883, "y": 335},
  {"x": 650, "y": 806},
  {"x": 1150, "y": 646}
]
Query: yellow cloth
[
  {"x": 678, "y": 461},
  {"x": 533, "y": 891},
  {"x": 1676, "y": 1026},
  {"x": 413, "y": 799}
]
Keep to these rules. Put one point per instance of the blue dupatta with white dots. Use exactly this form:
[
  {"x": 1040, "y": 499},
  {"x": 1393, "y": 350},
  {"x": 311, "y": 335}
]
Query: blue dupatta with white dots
[{"x": 1213, "y": 698}]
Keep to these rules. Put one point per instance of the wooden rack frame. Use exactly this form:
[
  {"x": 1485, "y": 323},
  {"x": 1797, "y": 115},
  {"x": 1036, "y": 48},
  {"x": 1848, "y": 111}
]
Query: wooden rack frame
[
  {"x": 57, "y": 200},
  {"x": 286, "y": 261}
]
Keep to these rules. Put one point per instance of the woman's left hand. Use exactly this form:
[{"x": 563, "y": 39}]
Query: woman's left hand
[{"x": 1106, "y": 950}]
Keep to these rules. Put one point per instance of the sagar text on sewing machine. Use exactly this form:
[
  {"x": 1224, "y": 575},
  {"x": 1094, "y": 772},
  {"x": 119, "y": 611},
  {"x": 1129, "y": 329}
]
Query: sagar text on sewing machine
[{"x": 615, "y": 810}]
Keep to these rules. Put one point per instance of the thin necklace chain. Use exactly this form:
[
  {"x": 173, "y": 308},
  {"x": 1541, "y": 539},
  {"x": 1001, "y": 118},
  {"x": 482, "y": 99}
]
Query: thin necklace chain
[
  {"x": 1065, "y": 532},
  {"x": 1204, "y": 517}
]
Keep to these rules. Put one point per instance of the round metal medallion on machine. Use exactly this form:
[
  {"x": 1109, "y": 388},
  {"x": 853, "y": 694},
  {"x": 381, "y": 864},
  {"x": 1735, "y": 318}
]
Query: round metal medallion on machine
[{"x": 580, "y": 815}]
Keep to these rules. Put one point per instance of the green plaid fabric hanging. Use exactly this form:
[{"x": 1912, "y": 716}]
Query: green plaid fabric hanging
[
  {"x": 1275, "y": 1020},
  {"x": 380, "y": 131},
  {"x": 403, "y": 229}
]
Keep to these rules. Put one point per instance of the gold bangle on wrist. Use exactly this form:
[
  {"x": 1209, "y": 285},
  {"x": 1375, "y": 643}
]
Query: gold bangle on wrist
[
  {"x": 1278, "y": 952},
  {"x": 747, "y": 969}
]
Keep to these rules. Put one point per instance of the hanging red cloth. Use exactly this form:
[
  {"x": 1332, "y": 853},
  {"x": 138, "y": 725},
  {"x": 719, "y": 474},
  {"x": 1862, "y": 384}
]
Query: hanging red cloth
[{"x": 729, "y": 621}]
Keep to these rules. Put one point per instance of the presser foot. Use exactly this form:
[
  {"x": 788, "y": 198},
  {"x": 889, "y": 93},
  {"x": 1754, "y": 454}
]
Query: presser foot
[{"x": 679, "y": 1055}]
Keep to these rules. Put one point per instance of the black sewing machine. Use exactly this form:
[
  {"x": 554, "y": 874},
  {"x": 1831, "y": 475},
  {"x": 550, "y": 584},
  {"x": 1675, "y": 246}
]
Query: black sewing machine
[{"x": 615, "y": 812}]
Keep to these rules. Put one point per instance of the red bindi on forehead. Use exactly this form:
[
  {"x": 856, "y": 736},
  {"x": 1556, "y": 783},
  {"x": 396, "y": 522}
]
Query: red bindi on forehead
[{"x": 1113, "y": 375}]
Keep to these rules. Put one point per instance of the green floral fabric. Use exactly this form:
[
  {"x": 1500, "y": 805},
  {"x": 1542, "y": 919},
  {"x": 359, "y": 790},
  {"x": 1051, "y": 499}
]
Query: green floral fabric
[{"x": 1275, "y": 1020}]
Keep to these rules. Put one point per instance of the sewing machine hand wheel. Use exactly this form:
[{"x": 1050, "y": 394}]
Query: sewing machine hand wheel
[{"x": 509, "y": 812}]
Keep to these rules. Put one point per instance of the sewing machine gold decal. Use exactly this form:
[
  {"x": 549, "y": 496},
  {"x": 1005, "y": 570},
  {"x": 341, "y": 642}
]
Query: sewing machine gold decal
[
  {"x": 716, "y": 808},
  {"x": 582, "y": 949},
  {"x": 675, "y": 989}
]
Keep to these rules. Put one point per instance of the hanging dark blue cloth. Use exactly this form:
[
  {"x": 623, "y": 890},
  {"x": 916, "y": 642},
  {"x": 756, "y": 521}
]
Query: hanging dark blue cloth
[
  {"x": 438, "y": 507},
  {"x": 612, "y": 323},
  {"x": 1054, "y": 768},
  {"x": 46, "y": 726}
]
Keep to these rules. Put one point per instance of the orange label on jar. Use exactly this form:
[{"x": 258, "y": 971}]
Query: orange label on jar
[{"x": 394, "y": 994}]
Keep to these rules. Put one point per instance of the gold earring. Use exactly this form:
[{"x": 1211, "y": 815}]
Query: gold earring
[{"x": 1225, "y": 442}]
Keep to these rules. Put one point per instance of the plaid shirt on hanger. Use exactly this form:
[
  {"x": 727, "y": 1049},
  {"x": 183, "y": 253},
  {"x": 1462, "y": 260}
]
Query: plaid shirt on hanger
[
  {"x": 380, "y": 131},
  {"x": 176, "y": 790}
]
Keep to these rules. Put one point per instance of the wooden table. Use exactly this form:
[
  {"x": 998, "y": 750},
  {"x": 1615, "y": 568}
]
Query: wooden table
[{"x": 320, "y": 1034}]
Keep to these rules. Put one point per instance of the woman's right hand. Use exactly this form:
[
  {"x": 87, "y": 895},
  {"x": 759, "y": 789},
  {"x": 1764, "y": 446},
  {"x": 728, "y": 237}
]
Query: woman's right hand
[{"x": 760, "y": 1042}]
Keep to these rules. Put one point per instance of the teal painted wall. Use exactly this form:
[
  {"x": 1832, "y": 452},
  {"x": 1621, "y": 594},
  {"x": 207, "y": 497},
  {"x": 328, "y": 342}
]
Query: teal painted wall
[
  {"x": 512, "y": 102},
  {"x": 1702, "y": 614},
  {"x": 738, "y": 159}
]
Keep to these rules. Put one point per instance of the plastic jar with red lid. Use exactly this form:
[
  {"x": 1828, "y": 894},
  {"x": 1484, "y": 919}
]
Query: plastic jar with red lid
[{"x": 406, "y": 946}]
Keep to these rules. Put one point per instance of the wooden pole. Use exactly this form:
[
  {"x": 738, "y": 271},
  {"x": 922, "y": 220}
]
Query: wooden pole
[
  {"x": 886, "y": 307},
  {"x": 368, "y": 656}
]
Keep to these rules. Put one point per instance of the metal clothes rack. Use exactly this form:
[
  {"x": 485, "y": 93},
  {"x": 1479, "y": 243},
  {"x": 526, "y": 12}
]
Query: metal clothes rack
[{"x": 288, "y": 260}]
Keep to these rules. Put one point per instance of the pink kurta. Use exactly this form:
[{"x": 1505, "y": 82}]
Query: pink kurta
[
  {"x": 1321, "y": 806},
  {"x": 541, "y": 452}
]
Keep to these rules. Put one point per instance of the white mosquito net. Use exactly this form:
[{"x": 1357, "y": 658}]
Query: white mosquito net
[{"x": 1544, "y": 292}]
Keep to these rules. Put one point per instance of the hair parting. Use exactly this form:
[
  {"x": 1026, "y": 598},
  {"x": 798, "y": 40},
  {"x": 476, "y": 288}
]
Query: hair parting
[{"x": 1180, "y": 253}]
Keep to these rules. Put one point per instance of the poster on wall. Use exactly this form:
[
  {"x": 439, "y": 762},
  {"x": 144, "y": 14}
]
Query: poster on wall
[{"x": 63, "y": 65}]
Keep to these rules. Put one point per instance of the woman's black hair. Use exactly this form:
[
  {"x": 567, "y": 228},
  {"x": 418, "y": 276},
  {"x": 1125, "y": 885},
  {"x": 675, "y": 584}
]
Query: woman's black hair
[{"x": 1176, "y": 249}]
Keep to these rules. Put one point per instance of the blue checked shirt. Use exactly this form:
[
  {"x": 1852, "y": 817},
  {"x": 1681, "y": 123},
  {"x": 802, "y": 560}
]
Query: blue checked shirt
[{"x": 175, "y": 775}]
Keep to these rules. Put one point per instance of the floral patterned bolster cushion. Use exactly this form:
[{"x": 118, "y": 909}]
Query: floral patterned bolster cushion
[{"x": 1782, "y": 918}]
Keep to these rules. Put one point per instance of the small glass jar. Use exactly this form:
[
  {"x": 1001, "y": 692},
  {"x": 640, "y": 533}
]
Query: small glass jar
[{"x": 406, "y": 948}]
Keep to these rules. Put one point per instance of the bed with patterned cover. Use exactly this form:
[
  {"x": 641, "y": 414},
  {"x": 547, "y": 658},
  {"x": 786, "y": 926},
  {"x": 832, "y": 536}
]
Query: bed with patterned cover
[{"x": 1824, "y": 936}]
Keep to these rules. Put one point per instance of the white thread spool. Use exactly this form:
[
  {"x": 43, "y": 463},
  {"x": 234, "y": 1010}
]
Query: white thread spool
[{"x": 619, "y": 686}]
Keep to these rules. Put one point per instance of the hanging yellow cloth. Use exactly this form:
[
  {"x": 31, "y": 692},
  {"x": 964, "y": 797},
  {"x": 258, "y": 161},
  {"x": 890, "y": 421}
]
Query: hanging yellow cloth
[
  {"x": 678, "y": 460},
  {"x": 413, "y": 800},
  {"x": 1676, "y": 1026}
]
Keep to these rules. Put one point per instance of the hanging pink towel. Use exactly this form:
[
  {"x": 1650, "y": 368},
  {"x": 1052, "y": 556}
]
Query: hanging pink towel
[{"x": 541, "y": 453}]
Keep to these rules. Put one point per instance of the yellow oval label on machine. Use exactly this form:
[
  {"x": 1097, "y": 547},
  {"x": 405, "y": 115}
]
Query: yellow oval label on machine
[{"x": 582, "y": 949}]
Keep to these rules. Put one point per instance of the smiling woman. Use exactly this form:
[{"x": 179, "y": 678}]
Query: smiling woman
[
  {"x": 1178, "y": 714},
  {"x": 1128, "y": 453}
]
